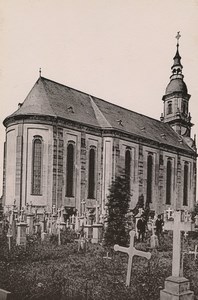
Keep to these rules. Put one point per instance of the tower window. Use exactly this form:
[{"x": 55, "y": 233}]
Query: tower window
[
  {"x": 169, "y": 108},
  {"x": 149, "y": 179},
  {"x": 184, "y": 107},
  {"x": 168, "y": 182},
  {"x": 185, "y": 187},
  {"x": 70, "y": 171},
  {"x": 91, "y": 175},
  {"x": 37, "y": 154},
  {"x": 128, "y": 167}
]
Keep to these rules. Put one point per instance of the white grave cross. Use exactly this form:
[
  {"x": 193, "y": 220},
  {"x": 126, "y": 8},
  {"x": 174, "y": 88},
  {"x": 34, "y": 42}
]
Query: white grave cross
[
  {"x": 131, "y": 251},
  {"x": 194, "y": 252},
  {"x": 177, "y": 226}
]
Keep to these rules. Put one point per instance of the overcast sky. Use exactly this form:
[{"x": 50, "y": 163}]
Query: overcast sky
[{"x": 119, "y": 50}]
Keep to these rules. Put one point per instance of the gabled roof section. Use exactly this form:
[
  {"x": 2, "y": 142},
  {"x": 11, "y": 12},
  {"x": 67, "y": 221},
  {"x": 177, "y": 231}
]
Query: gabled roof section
[{"x": 54, "y": 99}]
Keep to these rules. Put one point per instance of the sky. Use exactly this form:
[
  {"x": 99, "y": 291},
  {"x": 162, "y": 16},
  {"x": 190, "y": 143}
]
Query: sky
[{"x": 118, "y": 50}]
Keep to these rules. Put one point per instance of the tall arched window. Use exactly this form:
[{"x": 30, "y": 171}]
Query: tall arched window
[
  {"x": 185, "y": 187},
  {"x": 168, "y": 182},
  {"x": 149, "y": 179},
  {"x": 169, "y": 108},
  {"x": 37, "y": 154},
  {"x": 70, "y": 171},
  {"x": 91, "y": 175},
  {"x": 128, "y": 167}
]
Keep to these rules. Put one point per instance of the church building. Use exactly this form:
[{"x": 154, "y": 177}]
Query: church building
[{"x": 64, "y": 147}]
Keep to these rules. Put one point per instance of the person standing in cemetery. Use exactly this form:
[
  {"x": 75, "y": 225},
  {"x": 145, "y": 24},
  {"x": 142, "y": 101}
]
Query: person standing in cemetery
[
  {"x": 141, "y": 227},
  {"x": 159, "y": 223}
]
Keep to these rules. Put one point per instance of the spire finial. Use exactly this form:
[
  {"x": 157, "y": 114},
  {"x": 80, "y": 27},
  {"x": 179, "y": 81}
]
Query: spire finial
[
  {"x": 178, "y": 37},
  {"x": 40, "y": 72}
]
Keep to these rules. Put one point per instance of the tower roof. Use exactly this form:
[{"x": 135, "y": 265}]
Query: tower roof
[{"x": 177, "y": 83}]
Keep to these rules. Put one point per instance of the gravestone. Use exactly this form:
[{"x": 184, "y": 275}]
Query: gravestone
[
  {"x": 154, "y": 243},
  {"x": 21, "y": 233},
  {"x": 107, "y": 256},
  {"x": 97, "y": 227},
  {"x": 195, "y": 252},
  {"x": 9, "y": 236},
  {"x": 131, "y": 251},
  {"x": 5, "y": 295},
  {"x": 30, "y": 220},
  {"x": 177, "y": 287}
]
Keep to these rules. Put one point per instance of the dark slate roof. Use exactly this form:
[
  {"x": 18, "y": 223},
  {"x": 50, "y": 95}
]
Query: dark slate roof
[
  {"x": 54, "y": 99},
  {"x": 176, "y": 85}
]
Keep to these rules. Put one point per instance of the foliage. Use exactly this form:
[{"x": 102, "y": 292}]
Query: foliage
[
  {"x": 118, "y": 206},
  {"x": 46, "y": 271},
  {"x": 67, "y": 236}
]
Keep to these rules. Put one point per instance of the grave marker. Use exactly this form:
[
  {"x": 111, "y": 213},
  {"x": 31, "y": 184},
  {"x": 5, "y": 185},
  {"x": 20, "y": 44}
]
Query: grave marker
[
  {"x": 131, "y": 251},
  {"x": 195, "y": 252},
  {"x": 177, "y": 226},
  {"x": 176, "y": 286},
  {"x": 9, "y": 236}
]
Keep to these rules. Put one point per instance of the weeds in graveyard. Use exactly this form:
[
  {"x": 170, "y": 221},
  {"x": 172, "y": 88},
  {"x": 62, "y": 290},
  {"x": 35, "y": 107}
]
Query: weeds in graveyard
[{"x": 46, "y": 271}]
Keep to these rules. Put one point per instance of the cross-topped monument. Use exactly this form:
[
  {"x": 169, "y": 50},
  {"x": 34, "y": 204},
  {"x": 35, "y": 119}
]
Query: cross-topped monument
[
  {"x": 177, "y": 286},
  {"x": 131, "y": 251},
  {"x": 177, "y": 225},
  {"x": 97, "y": 207}
]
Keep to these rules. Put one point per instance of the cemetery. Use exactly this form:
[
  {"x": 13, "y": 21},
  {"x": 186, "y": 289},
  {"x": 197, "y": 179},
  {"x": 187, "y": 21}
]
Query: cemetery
[{"x": 49, "y": 255}]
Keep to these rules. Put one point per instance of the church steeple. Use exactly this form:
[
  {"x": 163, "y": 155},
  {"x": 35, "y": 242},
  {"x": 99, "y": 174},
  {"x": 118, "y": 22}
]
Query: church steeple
[{"x": 176, "y": 98}]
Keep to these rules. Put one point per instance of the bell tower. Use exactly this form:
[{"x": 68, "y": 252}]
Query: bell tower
[{"x": 176, "y": 99}]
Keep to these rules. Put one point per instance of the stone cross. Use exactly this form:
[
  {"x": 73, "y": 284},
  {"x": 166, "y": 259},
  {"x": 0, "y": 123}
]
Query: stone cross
[
  {"x": 108, "y": 257},
  {"x": 21, "y": 219},
  {"x": 62, "y": 214},
  {"x": 83, "y": 207},
  {"x": 196, "y": 220},
  {"x": 177, "y": 225},
  {"x": 194, "y": 252},
  {"x": 131, "y": 251},
  {"x": 53, "y": 209},
  {"x": 168, "y": 214},
  {"x": 187, "y": 216},
  {"x": 97, "y": 206},
  {"x": 9, "y": 235}
]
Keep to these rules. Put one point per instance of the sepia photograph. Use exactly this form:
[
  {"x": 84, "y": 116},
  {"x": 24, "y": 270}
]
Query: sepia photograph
[{"x": 98, "y": 149}]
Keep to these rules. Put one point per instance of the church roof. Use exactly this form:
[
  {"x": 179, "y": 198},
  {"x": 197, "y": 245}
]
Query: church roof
[{"x": 50, "y": 98}]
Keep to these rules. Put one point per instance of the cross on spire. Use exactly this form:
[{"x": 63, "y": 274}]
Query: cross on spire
[{"x": 178, "y": 37}]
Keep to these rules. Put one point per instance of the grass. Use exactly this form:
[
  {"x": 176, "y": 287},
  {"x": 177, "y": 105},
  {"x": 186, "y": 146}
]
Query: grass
[{"x": 45, "y": 271}]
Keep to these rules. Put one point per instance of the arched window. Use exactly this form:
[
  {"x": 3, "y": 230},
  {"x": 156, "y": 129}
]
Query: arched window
[
  {"x": 169, "y": 108},
  {"x": 91, "y": 175},
  {"x": 70, "y": 171},
  {"x": 128, "y": 167},
  {"x": 184, "y": 107},
  {"x": 149, "y": 179},
  {"x": 185, "y": 187},
  {"x": 37, "y": 156},
  {"x": 168, "y": 182}
]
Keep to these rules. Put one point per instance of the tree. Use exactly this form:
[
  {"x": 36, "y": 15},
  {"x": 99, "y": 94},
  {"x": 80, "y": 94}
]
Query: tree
[{"x": 118, "y": 207}]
